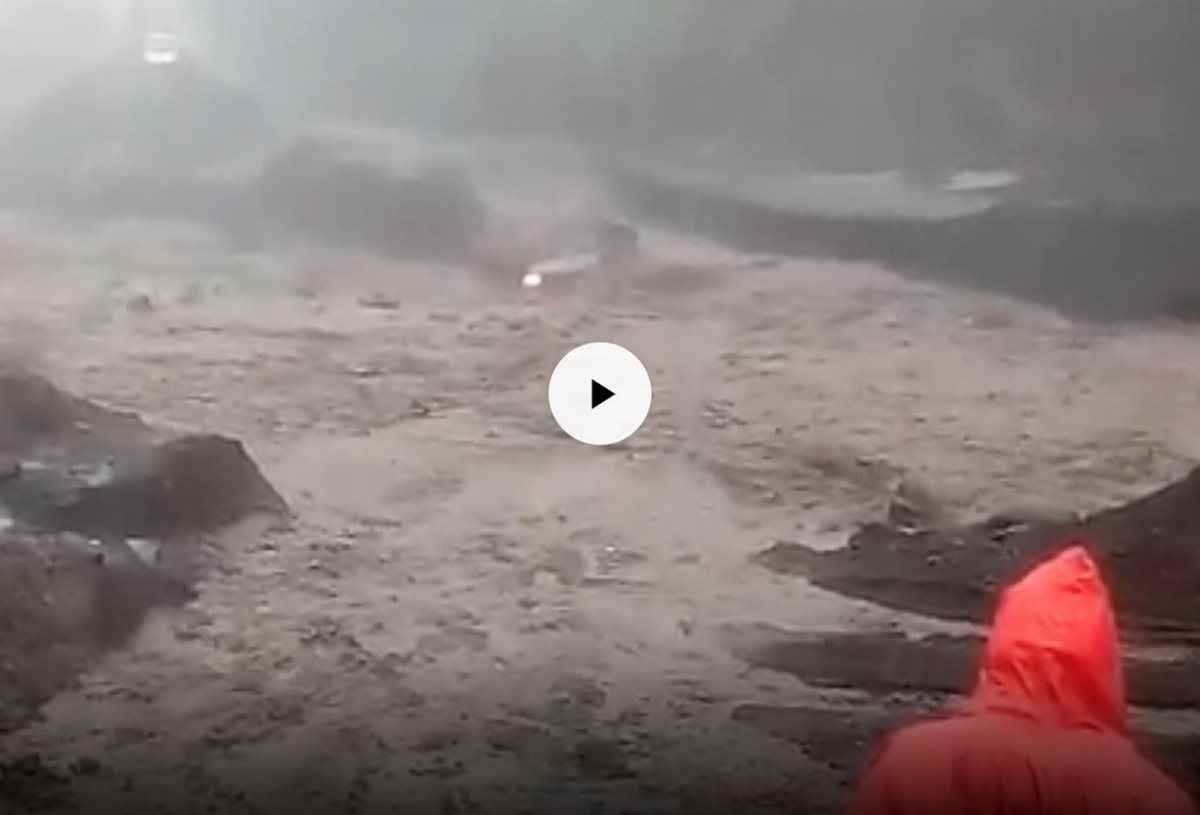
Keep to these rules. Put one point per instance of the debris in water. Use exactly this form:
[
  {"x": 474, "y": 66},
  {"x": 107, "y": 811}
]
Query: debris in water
[
  {"x": 378, "y": 300},
  {"x": 140, "y": 304},
  {"x": 97, "y": 530},
  {"x": 189, "y": 484},
  {"x": 602, "y": 759}
]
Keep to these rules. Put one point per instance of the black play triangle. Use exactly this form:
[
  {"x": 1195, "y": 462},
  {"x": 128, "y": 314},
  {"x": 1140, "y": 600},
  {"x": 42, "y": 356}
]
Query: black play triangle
[{"x": 600, "y": 394}]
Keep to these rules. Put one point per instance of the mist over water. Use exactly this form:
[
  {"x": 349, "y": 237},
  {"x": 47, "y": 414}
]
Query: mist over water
[{"x": 1102, "y": 90}]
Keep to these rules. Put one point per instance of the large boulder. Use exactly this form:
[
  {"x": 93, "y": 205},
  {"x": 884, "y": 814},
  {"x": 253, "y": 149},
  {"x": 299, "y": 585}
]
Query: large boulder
[
  {"x": 100, "y": 522},
  {"x": 1147, "y": 549}
]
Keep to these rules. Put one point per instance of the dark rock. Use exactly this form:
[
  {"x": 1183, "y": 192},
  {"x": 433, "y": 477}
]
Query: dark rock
[
  {"x": 522, "y": 737},
  {"x": 580, "y": 690},
  {"x": 569, "y": 565},
  {"x": 189, "y": 484},
  {"x": 63, "y": 601},
  {"x": 1146, "y": 549},
  {"x": 27, "y": 784},
  {"x": 891, "y": 662},
  {"x": 101, "y": 532},
  {"x": 439, "y": 767},
  {"x": 85, "y": 766},
  {"x": 602, "y": 759},
  {"x": 34, "y": 414},
  {"x": 457, "y": 801},
  {"x": 380, "y": 301},
  {"x": 140, "y": 304},
  {"x": 437, "y": 741},
  {"x": 451, "y": 638}
]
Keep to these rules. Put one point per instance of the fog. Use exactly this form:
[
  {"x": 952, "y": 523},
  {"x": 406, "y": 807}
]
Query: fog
[
  {"x": 1080, "y": 88},
  {"x": 294, "y": 516}
]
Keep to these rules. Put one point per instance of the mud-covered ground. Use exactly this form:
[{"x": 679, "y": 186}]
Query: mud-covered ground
[{"x": 471, "y": 611}]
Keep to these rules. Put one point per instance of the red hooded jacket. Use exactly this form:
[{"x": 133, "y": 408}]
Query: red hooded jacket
[{"x": 1044, "y": 731}]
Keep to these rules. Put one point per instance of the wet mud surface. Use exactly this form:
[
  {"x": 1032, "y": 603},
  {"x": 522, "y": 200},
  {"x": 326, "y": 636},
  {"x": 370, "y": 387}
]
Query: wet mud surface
[
  {"x": 892, "y": 662},
  {"x": 466, "y": 611},
  {"x": 846, "y": 736},
  {"x": 919, "y": 563}
]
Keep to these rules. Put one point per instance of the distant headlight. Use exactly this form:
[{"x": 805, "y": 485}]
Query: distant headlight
[
  {"x": 531, "y": 280},
  {"x": 160, "y": 48}
]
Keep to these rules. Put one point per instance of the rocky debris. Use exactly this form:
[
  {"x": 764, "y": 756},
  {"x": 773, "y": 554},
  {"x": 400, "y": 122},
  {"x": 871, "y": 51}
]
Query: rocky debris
[
  {"x": 577, "y": 689},
  {"x": 380, "y": 301},
  {"x": 525, "y": 738},
  {"x": 47, "y": 595},
  {"x": 140, "y": 303},
  {"x": 567, "y": 564},
  {"x": 85, "y": 765},
  {"x": 1145, "y": 547},
  {"x": 185, "y": 485},
  {"x": 188, "y": 484},
  {"x": 457, "y": 801},
  {"x": 439, "y": 767},
  {"x": 64, "y": 599},
  {"x": 439, "y": 740},
  {"x": 602, "y": 759},
  {"x": 575, "y": 700},
  {"x": 451, "y": 638},
  {"x": 101, "y": 525},
  {"x": 35, "y": 416}
]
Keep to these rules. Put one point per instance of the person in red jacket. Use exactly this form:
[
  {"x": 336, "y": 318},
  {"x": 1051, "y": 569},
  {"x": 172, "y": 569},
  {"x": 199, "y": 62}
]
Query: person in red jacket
[{"x": 1043, "y": 733}]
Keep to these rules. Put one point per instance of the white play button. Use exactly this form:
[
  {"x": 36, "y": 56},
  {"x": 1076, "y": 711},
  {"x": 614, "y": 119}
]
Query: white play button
[{"x": 600, "y": 393}]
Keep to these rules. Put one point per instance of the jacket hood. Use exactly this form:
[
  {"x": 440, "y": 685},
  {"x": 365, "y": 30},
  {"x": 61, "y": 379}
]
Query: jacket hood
[{"x": 1053, "y": 654}]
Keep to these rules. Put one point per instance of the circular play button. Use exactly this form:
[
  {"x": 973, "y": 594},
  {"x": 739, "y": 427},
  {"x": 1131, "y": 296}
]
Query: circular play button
[{"x": 600, "y": 393}]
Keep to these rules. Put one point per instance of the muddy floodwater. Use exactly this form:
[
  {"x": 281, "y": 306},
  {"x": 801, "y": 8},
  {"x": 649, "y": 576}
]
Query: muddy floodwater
[{"x": 467, "y": 611}]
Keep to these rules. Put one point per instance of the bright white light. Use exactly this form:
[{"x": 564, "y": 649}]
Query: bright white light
[
  {"x": 531, "y": 280},
  {"x": 160, "y": 49}
]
